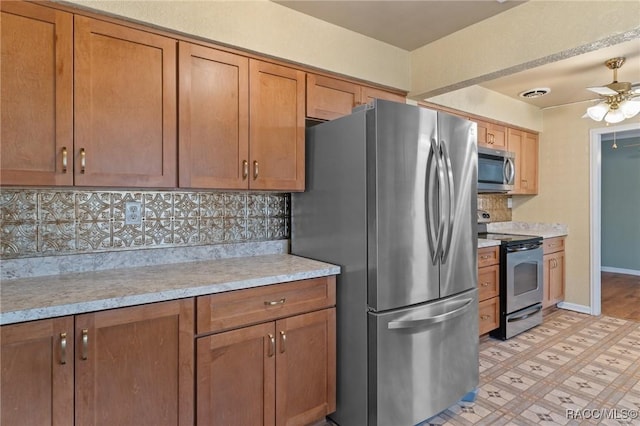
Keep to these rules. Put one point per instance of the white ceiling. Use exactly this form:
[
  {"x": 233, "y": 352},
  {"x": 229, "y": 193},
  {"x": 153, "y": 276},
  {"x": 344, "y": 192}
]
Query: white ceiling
[{"x": 402, "y": 24}]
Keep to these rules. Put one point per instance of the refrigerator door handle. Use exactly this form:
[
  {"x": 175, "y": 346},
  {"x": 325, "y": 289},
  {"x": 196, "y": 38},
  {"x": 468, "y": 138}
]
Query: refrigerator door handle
[
  {"x": 430, "y": 190},
  {"x": 446, "y": 160},
  {"x": 423, "y": 322}
]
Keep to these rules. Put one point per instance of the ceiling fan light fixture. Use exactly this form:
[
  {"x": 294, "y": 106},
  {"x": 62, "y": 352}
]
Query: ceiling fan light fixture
[
  {"x": 597, "y": 112},
  {"x": 614, "y": 116},
  {"x": 620, "y": 98},
  {"x": 630, "y": 108}
]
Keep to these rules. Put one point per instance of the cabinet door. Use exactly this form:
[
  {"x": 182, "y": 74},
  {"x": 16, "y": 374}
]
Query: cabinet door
[
  {"x": 515, "y": 141},
  {"x": 525, "y": 147},
  {"x": 125, "y": 106},
  {"x": 369, "y": 94},
  {"x": 276, "y": 134},
  {"x": 134, "y": 366},
  {"x": 554, "y": 268},
  {"x": 37, "y": 373},
  {"x": 305, "y": 367},
  {"x": 529, "y": 164},
  {"x": 214, "y": 118},
  {"x": 329, "y": 98},
  {"x": 36, "y": 109},
  {"x": 235, "y": 378},
  {"x": 497, "y": 136}
]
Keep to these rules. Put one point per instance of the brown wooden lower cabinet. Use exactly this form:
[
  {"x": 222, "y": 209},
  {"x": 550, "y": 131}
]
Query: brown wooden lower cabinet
[
  {"x": 277, "y": 372},
  {"x": 37, "y": 373},
  {"x": 488, "y": 289},
  {"x": 132, "y": 366},
  {"x": 554, "y": 271}
]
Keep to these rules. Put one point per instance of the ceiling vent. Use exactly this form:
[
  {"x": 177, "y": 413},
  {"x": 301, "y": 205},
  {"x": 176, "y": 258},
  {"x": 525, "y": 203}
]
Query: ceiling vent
[{"x": 534, "y": 93}]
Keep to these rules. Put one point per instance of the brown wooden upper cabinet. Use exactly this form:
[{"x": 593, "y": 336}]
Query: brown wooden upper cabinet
[
  {"x": 525, "y": 147},
  {"x": 329, "y": 98},
  {"x": 276, "y": 127},
  {"x": 491, "y": 135},
  {"x": 214, "y": 118},
  {"x": 36, "y": 105},
  {"x": 124, "y": 105},
  {"x": 241, "y": 122}
]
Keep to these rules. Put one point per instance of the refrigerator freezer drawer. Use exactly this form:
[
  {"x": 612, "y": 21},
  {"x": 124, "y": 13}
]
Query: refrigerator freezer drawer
[{"x": 422, "y": 359}]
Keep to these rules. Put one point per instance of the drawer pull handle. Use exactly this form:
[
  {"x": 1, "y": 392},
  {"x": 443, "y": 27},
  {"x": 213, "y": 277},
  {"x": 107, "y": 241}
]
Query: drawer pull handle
[
  {"x": 485, "y": 284},
  {"x": 283, "y": 341},
  {"x": 275, "y": 302},
  {"x": 85, "y": 344},
  {"x": 63, "y": 348},
  {"x": 272, "y": 345},
  {"x": 64, "y": 159},
  {"x": 485, "y": 317},
  {"x": 486, "y": 256}
]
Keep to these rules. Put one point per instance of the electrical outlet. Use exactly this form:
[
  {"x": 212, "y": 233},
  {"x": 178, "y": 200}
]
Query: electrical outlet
[{"x": 132, "y": 213}]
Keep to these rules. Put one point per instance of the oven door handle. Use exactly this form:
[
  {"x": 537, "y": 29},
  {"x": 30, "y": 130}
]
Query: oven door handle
[
  {"x": 531, "y": 311},
  {"x": 423, "y": 322}
]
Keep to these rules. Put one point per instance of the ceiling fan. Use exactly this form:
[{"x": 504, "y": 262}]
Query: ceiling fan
[{"x": 620, "y": 100}]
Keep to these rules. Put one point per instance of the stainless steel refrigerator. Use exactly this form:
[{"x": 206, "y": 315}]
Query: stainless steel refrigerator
[{"x": 391, "y": 198}]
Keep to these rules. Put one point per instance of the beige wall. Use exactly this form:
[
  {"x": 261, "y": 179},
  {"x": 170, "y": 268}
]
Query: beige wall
[
  {"x": 487, "y": 103},
  {"x": 564, "y": 191},
  {"x": 271, "y": 29},
  {"x": 531, "y": 34}
]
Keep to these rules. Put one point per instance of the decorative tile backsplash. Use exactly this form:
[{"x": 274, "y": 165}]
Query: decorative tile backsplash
[
  {"x": 496, "y": 205},
  {"x": 44, "y": 222}
]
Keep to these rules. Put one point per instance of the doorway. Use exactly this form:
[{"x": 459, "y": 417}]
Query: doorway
[{"x": 596, "y": 136}]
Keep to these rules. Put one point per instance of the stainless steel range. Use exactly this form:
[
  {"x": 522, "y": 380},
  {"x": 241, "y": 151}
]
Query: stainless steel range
[{"x": 521, "y": 283}]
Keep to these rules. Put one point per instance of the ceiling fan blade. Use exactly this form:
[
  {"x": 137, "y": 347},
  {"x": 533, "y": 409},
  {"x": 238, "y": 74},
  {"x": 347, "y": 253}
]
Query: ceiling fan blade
[{"x": 604, "y": 91}]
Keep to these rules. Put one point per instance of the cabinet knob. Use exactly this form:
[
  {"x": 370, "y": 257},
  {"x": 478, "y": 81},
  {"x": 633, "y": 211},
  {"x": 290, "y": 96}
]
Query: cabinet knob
[{"x": 485, "y": 284}]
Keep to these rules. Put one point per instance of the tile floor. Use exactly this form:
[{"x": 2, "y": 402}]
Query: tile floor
[{"x": 568, "y": 371}]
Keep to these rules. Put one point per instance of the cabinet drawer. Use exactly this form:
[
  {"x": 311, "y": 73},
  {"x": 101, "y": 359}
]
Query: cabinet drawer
[
  {"x": 488, "y": 282},
  {"x": 489, "y": 314},
  {"x": 238, "y": 308},
  {"x": 488, "y": 256},
  {"x": 552, "y": 245}
]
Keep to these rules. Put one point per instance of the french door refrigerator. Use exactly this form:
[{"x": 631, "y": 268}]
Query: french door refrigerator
[{"x": 391, "y": 198}]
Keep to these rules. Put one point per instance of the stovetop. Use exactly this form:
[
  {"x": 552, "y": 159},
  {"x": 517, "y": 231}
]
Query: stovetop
[{"x": 509, "y": 239}]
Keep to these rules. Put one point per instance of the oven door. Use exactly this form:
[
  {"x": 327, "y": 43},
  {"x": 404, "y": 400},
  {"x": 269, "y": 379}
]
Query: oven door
[{"x": 523, "y": 278}]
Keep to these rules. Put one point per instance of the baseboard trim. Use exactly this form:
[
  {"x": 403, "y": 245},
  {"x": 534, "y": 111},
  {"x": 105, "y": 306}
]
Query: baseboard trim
[
  {"x": 575, "y": 307},
  {"x": 620, "y": 270}
]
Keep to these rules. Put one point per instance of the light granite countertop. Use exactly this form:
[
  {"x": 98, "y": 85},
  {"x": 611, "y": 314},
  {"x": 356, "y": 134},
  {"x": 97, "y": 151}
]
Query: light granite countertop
[
  {"x": 544, "y": 230},
  {"x": 483, "y": 242},
  {"x": 26, "y": 299}
]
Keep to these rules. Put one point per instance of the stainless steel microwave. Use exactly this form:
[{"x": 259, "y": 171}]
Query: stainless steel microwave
[{"x": 496, "y": 170}]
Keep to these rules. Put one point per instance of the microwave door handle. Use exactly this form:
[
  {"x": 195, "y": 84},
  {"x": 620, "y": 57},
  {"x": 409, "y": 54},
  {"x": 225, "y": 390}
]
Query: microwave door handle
[
  {"x": 446, "y": 161},
  {"x": 422, "y": 322},
  {"x": 509, "y": 171}
]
